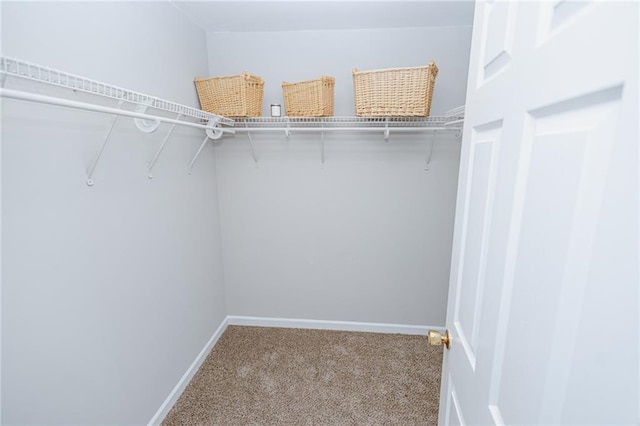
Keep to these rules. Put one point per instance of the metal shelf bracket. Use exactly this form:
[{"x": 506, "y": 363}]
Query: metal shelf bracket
[
  {"x": 386, "y": 129},
  {"x": 433, "y": 141},
  {"x": 253, "y": 149},
  {"x": 162, "y": 145},
  {"x": 213, "y": 132},
  {"x": 114, "y": 119},
  {"x": 322, "y": 145},
  {"x": 195, "y": 157}
]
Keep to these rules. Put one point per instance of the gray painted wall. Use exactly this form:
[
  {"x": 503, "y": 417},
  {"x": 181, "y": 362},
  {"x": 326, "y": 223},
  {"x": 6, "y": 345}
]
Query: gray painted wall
[
  {"x": 108, "y": 293},
  {"x": 366, "y": 237}
]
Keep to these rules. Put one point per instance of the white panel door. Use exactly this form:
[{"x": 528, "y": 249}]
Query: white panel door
[{"x": 544, "y": 300}]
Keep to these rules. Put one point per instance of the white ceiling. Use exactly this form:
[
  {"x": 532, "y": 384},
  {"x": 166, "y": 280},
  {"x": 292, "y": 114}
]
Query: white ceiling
[{"x": 265, "y": 15}]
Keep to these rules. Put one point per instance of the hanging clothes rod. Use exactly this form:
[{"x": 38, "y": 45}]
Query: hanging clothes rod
[{"x": 32, "y": 97}]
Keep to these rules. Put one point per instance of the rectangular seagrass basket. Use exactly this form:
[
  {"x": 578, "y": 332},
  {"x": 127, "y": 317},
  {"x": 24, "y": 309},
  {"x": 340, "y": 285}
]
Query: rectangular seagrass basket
[
  {"x": 311, "y": 98},
  {"x": 394, "y": 92},
  {"x": 231, "y": 96}
]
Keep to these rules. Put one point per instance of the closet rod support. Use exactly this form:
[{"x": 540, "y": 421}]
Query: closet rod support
[
  {"x": 322, "y": 146},
  {"x": 92, "y": 169},
  {"x": 195, "y": 157},
  {"x": 433, "y": 141},
  {"x": 164, "y": 143},
  {"x": 386, "y": 129},
  {"x": 32, "y": 97},
  {"x": 253, "y": 148},
  {"x": 214, "y": 131},
  {"x": 146, "y": 126}
]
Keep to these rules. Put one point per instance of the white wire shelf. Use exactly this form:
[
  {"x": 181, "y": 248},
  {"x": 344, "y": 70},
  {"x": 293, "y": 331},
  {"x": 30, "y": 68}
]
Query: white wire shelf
[
  {"x": 213, "y": 125},
  {"x": 349, "y": 123},
  {"x": 452, "y": 121},
  {"x": 34, "y": 72}
]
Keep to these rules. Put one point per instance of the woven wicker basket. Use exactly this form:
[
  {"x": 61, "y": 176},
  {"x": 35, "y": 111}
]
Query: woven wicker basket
[
  {"x": 231, "y": 96},
  {"x": 395, "y": 92},
  {"x": 311, "y": 98}
]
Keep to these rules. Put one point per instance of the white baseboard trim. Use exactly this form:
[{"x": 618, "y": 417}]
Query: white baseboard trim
[
  {"x": 368, "y": 327},
  {"x": 187, "y": 376}
]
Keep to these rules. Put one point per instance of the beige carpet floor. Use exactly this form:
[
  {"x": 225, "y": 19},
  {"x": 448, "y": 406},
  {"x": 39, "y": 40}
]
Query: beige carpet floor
[{"x": 279, "y": 376}]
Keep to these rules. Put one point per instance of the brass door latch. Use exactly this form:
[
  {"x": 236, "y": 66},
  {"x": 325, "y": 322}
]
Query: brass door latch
[{"x": 436, "y": 338}]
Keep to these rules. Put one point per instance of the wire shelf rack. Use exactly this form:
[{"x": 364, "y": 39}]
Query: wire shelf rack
[
  {"x": 185, "y": 115},
  {"x": 34, "y": 72},
  {"x": 452, "y": 120},
  {"x": 327, "y": 123}
]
